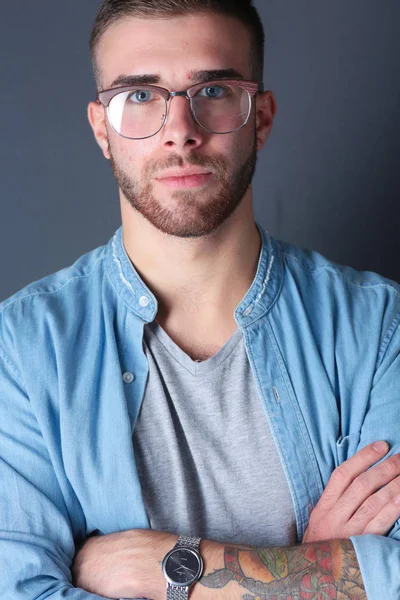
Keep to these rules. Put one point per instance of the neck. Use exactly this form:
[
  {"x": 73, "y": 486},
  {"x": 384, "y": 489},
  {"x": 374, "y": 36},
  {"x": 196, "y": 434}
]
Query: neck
[{"x": 199, "y": 276}]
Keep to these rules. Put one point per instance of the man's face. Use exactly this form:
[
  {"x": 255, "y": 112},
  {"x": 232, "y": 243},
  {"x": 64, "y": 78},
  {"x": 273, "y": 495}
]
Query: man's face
[{"x": 173, "y": 49}]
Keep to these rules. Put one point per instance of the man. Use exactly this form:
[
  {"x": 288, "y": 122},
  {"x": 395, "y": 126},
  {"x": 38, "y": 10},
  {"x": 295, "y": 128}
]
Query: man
[{"x": 194, "y": 377}]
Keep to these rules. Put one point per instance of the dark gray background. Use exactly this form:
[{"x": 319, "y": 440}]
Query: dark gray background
[{"x": 328, "y": 178}]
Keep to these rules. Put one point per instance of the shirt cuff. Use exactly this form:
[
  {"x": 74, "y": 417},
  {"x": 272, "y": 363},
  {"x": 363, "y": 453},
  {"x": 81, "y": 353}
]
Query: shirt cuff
[{"x": 379, "y": 560}]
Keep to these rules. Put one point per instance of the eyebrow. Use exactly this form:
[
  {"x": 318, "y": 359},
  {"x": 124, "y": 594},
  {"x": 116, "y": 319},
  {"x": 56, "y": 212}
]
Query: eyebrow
[{"x": 196, "y": 76}]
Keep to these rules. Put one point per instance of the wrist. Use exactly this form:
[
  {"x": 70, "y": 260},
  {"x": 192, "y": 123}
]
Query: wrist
[
  {"x": 212, "y": 554},
  {"x": 182, "y": 567}
]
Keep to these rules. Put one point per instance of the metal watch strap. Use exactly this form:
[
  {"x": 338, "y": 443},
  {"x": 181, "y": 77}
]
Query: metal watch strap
[
  {"x": 179, "y": 592},
  {"x": 188, "y": 542}
]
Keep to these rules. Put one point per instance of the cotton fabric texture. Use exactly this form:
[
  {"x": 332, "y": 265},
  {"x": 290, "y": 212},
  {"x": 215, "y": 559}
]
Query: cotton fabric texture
[{"x": 207, "y": 462}]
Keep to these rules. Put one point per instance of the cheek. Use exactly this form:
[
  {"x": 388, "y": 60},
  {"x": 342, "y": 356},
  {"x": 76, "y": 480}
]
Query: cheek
[
  {"x": 241, "y": 146},
  {"x": 228, "y": 147},
  {"x": 130, "y": 152}
]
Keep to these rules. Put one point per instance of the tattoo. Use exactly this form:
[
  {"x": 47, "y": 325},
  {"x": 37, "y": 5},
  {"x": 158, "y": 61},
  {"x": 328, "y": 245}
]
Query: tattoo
[{"x": 321, "y": 571}]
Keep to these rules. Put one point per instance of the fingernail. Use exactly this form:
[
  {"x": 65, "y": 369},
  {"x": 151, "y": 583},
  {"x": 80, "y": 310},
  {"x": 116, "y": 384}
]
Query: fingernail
[
  {"x": 397, "y": 500},
  {"x": 380, "y": 446}
]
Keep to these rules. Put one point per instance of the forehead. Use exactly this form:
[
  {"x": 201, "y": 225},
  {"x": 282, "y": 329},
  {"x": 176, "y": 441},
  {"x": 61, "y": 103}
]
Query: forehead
[{"x": 173, "y": 47}]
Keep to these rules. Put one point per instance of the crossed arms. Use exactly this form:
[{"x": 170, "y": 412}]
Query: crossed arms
[
  {"x": 38, "y": 528},
  {"x": 356, "y": 501}
]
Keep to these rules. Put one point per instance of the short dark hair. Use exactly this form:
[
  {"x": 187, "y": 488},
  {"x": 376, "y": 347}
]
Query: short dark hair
[{"x": 111, "y": 11}]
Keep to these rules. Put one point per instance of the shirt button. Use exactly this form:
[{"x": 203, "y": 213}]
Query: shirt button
[
  {"x": 144, "y": 301},
  {"x": 248, "y": 311},
  {"x": 128, "y": 377}
]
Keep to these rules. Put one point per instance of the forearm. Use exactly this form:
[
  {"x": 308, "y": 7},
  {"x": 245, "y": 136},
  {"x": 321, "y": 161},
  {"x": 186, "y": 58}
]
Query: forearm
[
  {"x": 128, "y": 565},
  {"x": 319, "y": 570}
]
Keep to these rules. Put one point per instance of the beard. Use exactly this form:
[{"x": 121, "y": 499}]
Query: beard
[{"x": 193, "y": 215}]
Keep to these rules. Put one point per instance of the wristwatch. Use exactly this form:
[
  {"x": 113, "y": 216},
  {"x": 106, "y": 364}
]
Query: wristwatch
[{"x": 182, "y": 567}]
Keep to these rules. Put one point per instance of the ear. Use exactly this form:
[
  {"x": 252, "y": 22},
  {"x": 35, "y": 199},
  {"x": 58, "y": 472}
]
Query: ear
[
  {"x": 265, "y": 113},
  {"x": 97, "y": 120}
]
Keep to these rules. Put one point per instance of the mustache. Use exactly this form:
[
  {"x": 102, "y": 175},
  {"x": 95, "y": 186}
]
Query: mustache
[{"x": 215, "y": 163}]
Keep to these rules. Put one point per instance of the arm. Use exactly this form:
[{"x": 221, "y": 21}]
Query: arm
[
  {"x": 376, "y": 546},
  {"x": 357, "y": 500},
  {"x": 36, "y": 534},
  {"x": 374, "y": 527},
  {"x": 325, "y": 570},
  {"x": 127, "y": 564},
  {"x": 379, "y": 557}
]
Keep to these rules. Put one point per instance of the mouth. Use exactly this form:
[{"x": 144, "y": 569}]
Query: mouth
[{"x": 185, "y": 181}]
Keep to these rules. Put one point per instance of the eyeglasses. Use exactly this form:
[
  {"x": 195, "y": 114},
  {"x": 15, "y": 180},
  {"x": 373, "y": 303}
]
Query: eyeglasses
[{"x": 139, "y": 112}]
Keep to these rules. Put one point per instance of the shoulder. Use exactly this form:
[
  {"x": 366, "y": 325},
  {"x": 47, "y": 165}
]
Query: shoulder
[
  {"x": 26, "y": 313},
  {"x": 312, "y": 265},
  {"x": 339, "y": 296},
  {"x": 57, "y": 282}
]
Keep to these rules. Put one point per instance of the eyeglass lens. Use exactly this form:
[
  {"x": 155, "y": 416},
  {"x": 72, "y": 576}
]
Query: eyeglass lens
[{"x": 140, "y": 112}]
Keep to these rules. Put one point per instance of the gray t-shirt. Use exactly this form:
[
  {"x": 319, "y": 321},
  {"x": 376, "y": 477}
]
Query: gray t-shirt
[{"x": 207, "y": 462}]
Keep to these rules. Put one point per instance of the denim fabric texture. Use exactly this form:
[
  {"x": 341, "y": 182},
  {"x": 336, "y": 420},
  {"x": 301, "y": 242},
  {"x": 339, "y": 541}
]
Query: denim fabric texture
[{"x": 323, "y": 343}]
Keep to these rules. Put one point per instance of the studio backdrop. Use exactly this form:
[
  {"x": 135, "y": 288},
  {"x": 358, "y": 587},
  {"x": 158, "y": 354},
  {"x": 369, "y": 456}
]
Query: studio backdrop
[{"x": 328, "y": 178}]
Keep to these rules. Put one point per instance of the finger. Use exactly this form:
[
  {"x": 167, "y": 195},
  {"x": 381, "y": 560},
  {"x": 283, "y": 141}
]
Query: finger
[
  {"x": 366, "y": 484},
  {"x": 347, "y": 472},
  {"x": 385, "y": 519},
  {"x": 373, "y": 506}
]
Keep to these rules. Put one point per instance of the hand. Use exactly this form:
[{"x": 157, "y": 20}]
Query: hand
[
  {"x": 126, "y": 564},
  {"x": 356, "y": 500}
]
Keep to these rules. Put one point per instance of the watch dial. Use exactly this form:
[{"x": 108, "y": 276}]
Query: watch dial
[{"x": 182, "y": 566}]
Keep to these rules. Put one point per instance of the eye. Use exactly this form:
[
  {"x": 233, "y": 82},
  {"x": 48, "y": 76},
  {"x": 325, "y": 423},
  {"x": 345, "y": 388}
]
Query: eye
[
  {"x": 140, "y": 96},
  {"x": 214, "y": 91}
]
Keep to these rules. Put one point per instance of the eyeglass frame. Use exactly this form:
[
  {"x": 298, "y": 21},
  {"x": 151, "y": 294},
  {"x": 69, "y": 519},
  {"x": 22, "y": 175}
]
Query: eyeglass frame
[{"x": 104, "y": 98}]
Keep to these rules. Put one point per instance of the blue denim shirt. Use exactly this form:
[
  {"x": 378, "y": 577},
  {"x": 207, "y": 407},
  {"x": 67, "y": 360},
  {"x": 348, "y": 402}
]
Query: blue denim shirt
[{"x": 323, "y": 342}]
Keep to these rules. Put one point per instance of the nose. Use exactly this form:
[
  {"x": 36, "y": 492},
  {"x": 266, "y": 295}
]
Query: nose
[{"x": 180, "y": 129}]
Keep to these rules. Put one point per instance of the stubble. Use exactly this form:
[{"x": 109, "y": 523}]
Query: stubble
[{"x": 195, "y": 212}]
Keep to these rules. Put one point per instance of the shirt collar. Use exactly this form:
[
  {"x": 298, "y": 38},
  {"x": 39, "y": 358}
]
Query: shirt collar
[
  {"x": 258, "y": 300},
  {"x": 266, "y": 285}
]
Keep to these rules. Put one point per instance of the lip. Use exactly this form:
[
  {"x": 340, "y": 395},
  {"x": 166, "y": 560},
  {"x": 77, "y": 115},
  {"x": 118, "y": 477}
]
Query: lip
[
  {"x": 183, "y": 173},
  {"x": 185, "y": 178}
]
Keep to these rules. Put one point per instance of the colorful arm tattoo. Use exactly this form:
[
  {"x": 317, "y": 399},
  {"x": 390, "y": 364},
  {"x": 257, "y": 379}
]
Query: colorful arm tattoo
[{"x": 320, "y": 571}]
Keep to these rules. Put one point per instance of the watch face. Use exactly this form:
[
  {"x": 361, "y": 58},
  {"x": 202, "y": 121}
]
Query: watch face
[{"x": 182, "y": 566}]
